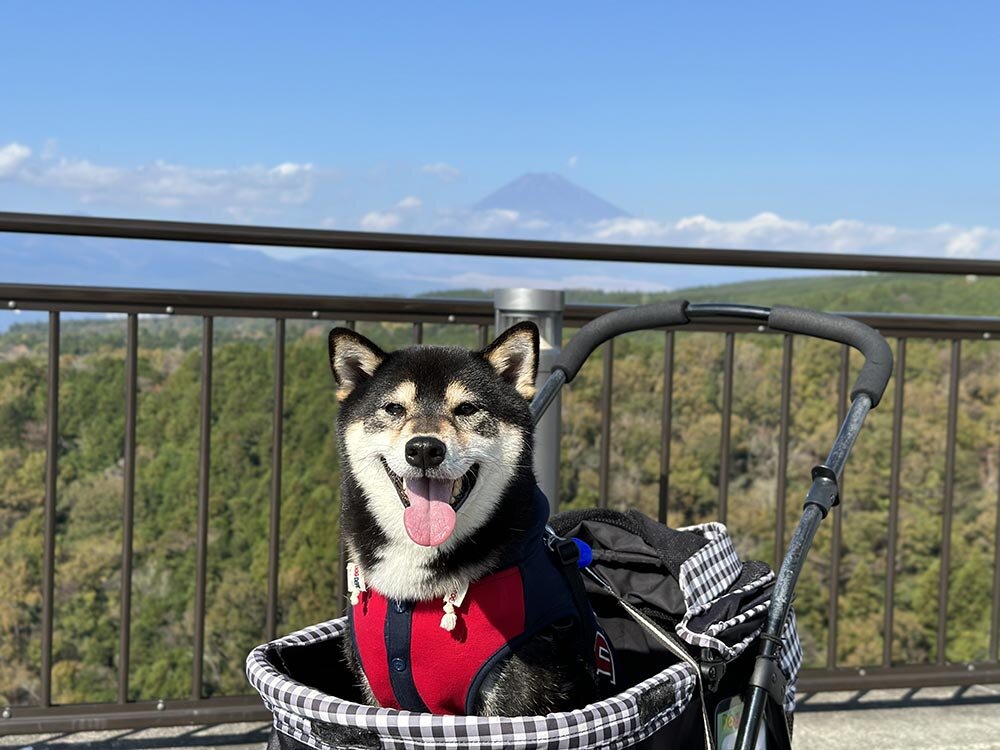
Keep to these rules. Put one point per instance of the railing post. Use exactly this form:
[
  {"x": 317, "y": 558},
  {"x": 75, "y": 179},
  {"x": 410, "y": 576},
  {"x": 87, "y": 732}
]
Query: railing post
[{"x": 544, "y": 307}]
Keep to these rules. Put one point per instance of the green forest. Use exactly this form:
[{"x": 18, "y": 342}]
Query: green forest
[{"x": 90, "y": 479}]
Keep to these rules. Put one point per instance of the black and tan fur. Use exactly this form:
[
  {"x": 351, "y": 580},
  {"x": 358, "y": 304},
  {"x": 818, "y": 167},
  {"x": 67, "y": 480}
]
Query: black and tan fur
[{"x": 476, "y": 403}]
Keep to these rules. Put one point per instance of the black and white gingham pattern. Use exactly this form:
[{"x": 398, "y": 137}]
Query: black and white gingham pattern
[
  {"x": 708, "y": 638},
  {"x": 711, "y": 570},
  {"x": 790, "y": 659},
  {"x": 708, "y": 574},
  {"x": 617, "y": 722}
]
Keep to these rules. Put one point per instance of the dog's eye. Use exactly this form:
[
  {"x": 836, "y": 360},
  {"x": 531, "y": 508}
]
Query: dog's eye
[
  {"x": 466, "y": 409},
  {"x": 394, "y": 409}
]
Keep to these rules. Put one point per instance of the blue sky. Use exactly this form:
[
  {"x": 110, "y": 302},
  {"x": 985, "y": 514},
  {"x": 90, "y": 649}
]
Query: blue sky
[{"x": 852, "y": 126}]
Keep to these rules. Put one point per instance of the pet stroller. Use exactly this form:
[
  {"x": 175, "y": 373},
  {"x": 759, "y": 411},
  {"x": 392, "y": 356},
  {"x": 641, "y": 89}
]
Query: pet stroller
[{"x": 705, "y": 650}]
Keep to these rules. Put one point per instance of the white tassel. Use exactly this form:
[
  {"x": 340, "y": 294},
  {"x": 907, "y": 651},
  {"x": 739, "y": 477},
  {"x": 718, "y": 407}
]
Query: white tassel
[
  {"x": 450, "y": 619},
  {"x": 452, "y": 600}
]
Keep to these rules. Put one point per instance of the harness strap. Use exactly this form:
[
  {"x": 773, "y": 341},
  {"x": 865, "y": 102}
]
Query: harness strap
[{"x": 568, "y": 555}]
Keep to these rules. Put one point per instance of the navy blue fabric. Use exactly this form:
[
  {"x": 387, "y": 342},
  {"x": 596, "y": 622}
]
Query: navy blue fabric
[{"x": 397, "y": 645}]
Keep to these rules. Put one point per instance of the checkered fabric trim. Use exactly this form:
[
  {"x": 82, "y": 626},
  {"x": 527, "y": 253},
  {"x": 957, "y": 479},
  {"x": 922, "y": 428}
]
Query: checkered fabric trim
[
  {"x": 709, "y": 637},
  {"x": 790, "y": 659},
  {"x": 710, "y": 571},
  {"x": 618, "y": 722},
  {"x": 705, "y": 577}
]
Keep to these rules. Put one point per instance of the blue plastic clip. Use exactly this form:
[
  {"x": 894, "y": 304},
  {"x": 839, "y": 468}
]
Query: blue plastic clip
[{"x": 586, "y": 553}]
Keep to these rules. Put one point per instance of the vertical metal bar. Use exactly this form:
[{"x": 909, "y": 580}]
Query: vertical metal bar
[
  {"x": 609, "y": 356},
  {"x": 49, "y": 533},
  {"x": 204, "y": 464},
  {"x": 484, "y": 335},
  {"x": 666, "y": 424},
  {"x": 418, "y": 333},
  {"x": 897, "y": 448},
  {"x": 341, "y": 604},
  {"x": 838, "y": 520},
  {"x": 947, "y": 504},
  {"x": 995, "y": 630},
  {"x": 128, "y": 504},
  {"x": 785, "y": 421},
  {"x": 727, "y": 418},
  {"x": 277, "y": 433}
]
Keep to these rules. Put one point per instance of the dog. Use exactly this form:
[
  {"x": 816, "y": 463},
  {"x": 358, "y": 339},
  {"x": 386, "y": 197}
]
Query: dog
[{"x": 457, "y": 605}]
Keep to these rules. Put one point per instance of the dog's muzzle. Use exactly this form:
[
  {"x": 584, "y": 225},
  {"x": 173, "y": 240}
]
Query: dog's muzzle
[{"x": 430, "y": 503}]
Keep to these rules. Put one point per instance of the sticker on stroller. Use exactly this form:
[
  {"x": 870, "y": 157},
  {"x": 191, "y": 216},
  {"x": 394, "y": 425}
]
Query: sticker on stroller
[
  {"x": 727, "y": 725},
  {"x": 602, "y": 657}
]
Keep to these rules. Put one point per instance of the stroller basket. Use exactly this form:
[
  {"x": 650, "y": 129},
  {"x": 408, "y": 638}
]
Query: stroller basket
[
  {"x": 318, "y": 720},
  {"x": 301, "y": 675},
  {"x": 706, "y": 642}
]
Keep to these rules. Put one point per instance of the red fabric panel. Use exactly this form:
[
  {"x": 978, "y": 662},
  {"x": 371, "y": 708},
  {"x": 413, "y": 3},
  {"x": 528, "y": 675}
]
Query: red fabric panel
[
  {"x": 369, "y": 631},
  {"x": 445, "y": 662}
]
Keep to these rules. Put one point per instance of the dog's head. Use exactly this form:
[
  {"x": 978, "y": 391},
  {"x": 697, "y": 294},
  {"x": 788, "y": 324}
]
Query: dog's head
[{"x": 433, "y": 436}]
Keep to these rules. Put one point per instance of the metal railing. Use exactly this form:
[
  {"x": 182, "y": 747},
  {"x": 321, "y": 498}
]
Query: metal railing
[{"x": 420, "y": 312}]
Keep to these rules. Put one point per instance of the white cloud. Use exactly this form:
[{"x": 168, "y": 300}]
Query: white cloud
[
  {"x": 769, "y": 231},
  {"x": 380, "y": 221},
  {"x": 12, "y": 156},
  {"x": 410, "y": 202},
  {"x": 494, "y": 221},
  {"x": 442, "y": 170},
  {"x": 237, "y": 191}
]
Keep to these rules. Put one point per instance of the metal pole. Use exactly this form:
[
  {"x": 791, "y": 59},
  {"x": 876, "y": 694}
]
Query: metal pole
[
  {"x": 128, "y": 505},
  {"x": 277, "y": 434},
  {"x": 201, "y": 540},
  {"x": 51, "y": 489},
  {"x": 544, "y": 307}
]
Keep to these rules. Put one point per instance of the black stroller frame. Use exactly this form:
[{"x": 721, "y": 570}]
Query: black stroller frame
[
  {"x": 767, "y": 681},
  {"x": 309, "y": 715}
]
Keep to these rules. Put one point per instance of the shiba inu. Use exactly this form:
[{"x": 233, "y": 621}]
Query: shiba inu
[{"x": 457, "y": 607}]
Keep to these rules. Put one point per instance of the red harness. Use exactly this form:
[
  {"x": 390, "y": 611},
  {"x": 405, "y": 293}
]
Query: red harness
[{"x": 438, "y": 665}]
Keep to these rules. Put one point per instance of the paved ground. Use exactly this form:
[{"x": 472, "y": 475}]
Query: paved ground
[
  {"x": 942, "y": 719},
  {"x": 223, "y": 736},
  {"x": 939, "y": 718}
]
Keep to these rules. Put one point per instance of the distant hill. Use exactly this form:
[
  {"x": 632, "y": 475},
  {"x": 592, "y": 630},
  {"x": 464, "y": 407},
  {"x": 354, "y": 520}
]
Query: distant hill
[
  {"x": 87, "y": 261},
  {"x": 848, "y": 292},
  {"x": 550, "y": 197}
]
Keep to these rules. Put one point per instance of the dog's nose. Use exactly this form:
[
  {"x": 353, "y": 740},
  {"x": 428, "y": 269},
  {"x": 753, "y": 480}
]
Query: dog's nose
[{"x": 424, "y": 452}]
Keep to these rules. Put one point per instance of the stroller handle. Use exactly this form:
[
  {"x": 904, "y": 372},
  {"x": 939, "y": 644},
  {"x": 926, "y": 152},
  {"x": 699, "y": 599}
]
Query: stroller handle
[{"x": 871, "y": 381}]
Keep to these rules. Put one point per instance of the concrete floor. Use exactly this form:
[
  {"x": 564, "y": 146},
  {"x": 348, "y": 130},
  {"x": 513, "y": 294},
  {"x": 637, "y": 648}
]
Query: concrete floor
[
  {"x": 939, "y": 718},
  {"x": 942, "y": 719},
  {"x": 228, "y": 736}
]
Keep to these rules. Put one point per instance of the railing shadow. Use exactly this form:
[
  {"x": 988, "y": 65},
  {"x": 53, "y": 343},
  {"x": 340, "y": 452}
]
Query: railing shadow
[
  {"x": 866, "y": 700},
  {"x": 140, "y": 739}
]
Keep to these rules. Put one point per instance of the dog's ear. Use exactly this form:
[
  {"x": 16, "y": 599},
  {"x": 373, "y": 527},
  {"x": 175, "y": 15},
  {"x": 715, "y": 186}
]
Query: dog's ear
[
  {"x": 353, "y": 359},
  {"x": 514, "y": 355}
]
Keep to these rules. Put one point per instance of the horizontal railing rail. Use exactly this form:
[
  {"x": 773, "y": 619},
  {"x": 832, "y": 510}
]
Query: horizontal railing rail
[
  {"x": 60, "y": 302},
  {"x": 334, "y": 239},
  {"x": 82, "y": 299}
]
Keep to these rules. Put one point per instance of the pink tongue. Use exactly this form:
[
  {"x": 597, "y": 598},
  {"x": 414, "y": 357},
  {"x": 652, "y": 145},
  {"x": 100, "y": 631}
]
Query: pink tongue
[{"x": 430, "y": 519}]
